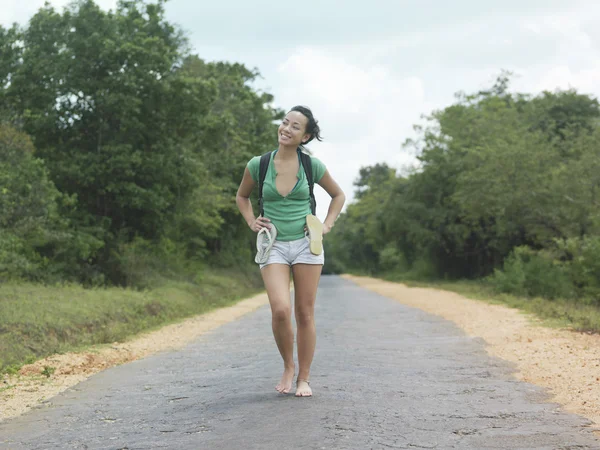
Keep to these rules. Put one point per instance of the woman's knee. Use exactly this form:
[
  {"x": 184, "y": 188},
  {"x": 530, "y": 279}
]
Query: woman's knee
[
  {"x": 281, "y": 314},
  {"x": 305, "y": 314}
]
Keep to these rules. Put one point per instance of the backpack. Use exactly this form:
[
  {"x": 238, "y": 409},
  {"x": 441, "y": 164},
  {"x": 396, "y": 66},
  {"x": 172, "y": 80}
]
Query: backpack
[{"x": 306, "y": 163}]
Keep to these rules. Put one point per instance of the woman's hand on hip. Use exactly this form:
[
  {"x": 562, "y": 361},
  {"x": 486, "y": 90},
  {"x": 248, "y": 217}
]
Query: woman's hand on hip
[{"x": 260, "y": 223}]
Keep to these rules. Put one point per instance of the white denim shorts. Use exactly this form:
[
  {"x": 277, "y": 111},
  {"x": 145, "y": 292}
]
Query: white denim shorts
[{"x": 293, "y": 252}]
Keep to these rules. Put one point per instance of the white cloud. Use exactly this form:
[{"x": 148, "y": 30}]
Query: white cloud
[
  {"x": 569, "y": 28},
  {"x": 586, "y": 81},
  {"x": 576, "y": 60}
]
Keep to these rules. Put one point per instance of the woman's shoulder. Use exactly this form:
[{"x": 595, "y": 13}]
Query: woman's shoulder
[
  {"x": 318, "y": 168},
  {"x": 315, "y": 160},
  {"x": 255, "y": 160}
]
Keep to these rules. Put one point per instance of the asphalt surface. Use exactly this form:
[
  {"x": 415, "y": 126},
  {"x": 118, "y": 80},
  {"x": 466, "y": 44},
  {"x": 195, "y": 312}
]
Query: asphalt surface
[{"x": 384, "y": 376}]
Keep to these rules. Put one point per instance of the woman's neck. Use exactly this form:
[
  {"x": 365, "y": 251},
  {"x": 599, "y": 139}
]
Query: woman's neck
[{"x": 285, "y": 152}]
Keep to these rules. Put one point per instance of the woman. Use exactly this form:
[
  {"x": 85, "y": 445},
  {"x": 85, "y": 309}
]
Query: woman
[{"x": 286, "y": 207}]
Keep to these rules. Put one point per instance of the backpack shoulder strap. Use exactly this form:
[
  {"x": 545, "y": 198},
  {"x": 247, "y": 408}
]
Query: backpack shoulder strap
[
  {"x": 307, "y": 164},
  {"x": 262, "y": 173}
]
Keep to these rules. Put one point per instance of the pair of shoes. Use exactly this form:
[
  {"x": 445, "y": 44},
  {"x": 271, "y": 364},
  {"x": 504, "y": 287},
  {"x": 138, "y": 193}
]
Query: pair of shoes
[
  {"x": 315, "y": 234},
  {"x": 264, "y": 242}
]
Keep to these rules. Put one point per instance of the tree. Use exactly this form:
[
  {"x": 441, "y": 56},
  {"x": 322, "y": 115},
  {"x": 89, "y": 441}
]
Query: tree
[
  {"x": 498, "y": 171},
  {"x": 35, "y": 241},
  {"x": 238, "y": 125},
  {"x": 102, "y": 97}
]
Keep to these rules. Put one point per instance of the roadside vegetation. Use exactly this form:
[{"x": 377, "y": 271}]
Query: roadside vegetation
[{"x": 505, "y": 203}]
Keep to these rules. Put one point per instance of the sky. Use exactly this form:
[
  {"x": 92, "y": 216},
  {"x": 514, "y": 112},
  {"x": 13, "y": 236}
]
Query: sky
[{"x": 370, "y": 70}]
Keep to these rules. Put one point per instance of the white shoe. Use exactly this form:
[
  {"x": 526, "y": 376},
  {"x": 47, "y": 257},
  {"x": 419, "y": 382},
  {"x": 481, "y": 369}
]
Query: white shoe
[{"x": 264, "y": 242}]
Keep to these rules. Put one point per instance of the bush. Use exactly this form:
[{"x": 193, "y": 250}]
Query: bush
[
  {"x": 582, "y": 259},
  {"x": 422, "y": 269},
  {"x": 145, "y": 264},
  {"x": 15, "y": 260},
  {"x": 36, "y": 242},
  {"x": 392, "y": 259},
  {"x": 533, "y": 273},
  {"x": 333, "y": 266}
]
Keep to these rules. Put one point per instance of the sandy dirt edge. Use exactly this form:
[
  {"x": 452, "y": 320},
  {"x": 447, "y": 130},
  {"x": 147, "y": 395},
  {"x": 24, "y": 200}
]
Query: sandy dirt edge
[
  {"x": 566, "y": 363},
  {"x": 30, "y": 388}
]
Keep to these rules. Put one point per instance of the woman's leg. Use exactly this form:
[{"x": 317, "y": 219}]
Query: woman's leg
[
  {"x": 277, "y": 282},
  {"x": 306, "y": 281}
]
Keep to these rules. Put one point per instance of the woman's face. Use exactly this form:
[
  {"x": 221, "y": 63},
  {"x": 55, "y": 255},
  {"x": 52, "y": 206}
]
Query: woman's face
[{"x": 292, "y": 130}]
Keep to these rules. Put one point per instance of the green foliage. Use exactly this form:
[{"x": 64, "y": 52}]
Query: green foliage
[
  {"x": 533, "y": 274},
  {"x": 568, "y": 269},
  {"x": 581, "y": 257},
  {"x": 145, "y": 264},
  {"x": 35, "y": 241},
  {"x": 333, "y": 266},
  {"x": 392, "y": 259},
  {"x": 48, "y": 371},
  {"x": 107, "y": 110},
  {"x": 422, "y": 269},
  {"x": 500, "y": 174},
  {"x": 237, "y": 126},
  {"x": 558, "y": 114}
]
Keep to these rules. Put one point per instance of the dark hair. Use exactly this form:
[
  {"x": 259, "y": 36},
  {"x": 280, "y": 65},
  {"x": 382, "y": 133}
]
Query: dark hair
[{"x": 312, "y": 126}]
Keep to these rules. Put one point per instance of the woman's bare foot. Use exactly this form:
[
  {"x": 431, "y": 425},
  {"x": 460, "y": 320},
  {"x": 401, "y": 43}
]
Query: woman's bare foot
[
  {"x": 285, "y": 385},
  {"x": 303, "y": 388}
]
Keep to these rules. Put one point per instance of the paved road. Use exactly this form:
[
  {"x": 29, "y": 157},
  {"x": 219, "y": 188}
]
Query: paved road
[{"x": 385, "y": 376}]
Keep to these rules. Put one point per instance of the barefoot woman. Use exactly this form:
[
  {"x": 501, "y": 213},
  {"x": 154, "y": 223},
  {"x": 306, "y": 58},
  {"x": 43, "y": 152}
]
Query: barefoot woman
[{"x": 286, "y": 205}]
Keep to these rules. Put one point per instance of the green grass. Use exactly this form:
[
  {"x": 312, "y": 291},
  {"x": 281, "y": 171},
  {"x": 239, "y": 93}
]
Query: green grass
[
  {"x": 574, "y": 315},
  {"x": 37, "y": 321}
]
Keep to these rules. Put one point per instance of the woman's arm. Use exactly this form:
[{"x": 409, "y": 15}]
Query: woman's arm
[
  {"x": 337, "y": 200},
  {"x": 242, "y": 199}
]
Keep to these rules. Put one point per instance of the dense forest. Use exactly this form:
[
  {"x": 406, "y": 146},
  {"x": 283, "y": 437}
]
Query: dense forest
[
  {"x": 121, "y": 150},
  {"x": 507, "y": 189}
]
